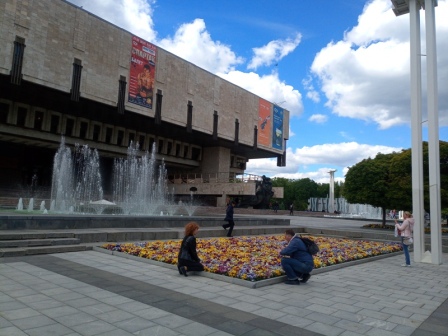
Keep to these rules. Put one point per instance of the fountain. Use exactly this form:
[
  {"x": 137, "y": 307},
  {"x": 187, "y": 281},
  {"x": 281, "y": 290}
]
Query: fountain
[
  {"x": 31, "y": 204},
  {"x": 345, "y": 209},
  {"x": 190, "y": 206},
  {"x": 20, "y": 204},
  {"x": 76, "y": 178},
  {"x": 139, "y": 188}
]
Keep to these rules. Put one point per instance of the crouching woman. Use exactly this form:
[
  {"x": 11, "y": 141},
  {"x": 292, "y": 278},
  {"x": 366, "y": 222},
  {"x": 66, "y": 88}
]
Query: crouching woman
[{"x": 188, "y": 260}]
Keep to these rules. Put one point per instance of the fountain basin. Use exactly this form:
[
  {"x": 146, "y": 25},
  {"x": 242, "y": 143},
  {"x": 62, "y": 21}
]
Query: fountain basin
[{"x": 73, "y": 221}]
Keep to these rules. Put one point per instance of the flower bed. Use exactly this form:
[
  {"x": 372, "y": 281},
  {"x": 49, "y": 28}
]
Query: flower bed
[{"x": 256, "y": 257}]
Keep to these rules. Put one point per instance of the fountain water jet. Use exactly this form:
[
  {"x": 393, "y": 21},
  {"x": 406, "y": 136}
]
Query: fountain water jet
[
  {"x": 139, "y": 188},
  {"x": 76, "y": 178}
]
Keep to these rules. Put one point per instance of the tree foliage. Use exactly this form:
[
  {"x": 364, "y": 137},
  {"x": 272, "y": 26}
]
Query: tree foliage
[
  {"x": 299, "y": 191},
  {"x": 386, "y": 180}
]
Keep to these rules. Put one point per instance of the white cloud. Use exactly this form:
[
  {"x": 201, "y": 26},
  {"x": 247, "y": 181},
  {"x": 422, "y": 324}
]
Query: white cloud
[
  {"x": 272, "y": 52},
  {"x": 132, "y": 15},
  {"x": 311, "y": 91},
  {"x": 193, "y": 43},
  {"x": 366, "y": 75},
  {"x": 318, "y": 118},
  {"x": 308, "y": 161},
  {"x": 270, "y": 87}
]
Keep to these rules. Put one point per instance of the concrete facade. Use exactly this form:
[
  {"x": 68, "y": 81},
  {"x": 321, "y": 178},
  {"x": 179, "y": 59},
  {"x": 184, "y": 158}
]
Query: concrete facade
[{"x": 206, "y": 124}]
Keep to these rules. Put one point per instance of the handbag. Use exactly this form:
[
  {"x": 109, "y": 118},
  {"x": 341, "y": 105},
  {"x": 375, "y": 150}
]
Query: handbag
[{"x": 408, "y": 240}]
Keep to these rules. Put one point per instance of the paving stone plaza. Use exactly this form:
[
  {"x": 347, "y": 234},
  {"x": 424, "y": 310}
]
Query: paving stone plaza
[{"x": 92, "y": 293}]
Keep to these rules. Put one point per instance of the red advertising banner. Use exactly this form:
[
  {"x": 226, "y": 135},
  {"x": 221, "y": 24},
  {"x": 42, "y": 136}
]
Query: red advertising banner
[
  {"x": 142, "y": 72},
  {"x": 264, "y": 122}
]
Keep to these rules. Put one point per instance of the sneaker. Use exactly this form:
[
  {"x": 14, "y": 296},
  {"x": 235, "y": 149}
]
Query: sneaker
[
  {"x": 405, "y": 265},
  {"x": 292, "y": 282},
  {"x": 305, "y": 278},
  {"x": 224, "y": 227}
]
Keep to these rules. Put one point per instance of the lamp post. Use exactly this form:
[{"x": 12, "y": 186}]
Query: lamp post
[{"x": 413, "y": 8}]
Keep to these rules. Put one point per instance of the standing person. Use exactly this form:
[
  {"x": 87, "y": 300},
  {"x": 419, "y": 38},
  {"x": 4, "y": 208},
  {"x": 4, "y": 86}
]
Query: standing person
[
  {"x": 187, "y": 259},
  {"x": 229, "y": 219},
  {"x": 291, "y": 209},
  {"x": 406, "y": 229},
  {"x": 296, "y": 261}
]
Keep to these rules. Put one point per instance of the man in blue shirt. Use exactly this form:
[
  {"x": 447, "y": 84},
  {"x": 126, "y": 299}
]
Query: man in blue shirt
[{"x": 296, "y": 261}]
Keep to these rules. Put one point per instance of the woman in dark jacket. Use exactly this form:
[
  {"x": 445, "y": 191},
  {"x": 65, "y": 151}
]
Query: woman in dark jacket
[{"x": 188, "y": 259}]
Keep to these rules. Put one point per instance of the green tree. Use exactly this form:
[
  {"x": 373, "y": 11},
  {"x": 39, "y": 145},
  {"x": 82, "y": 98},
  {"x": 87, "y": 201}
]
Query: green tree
[{"x": 386, "y": 180}]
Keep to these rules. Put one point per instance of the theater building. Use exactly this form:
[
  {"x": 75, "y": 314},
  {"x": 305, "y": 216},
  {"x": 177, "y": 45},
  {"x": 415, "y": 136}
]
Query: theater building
[{"x": 65, "y": 71}]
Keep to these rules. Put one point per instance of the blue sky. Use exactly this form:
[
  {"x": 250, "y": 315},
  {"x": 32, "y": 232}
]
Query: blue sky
[{"x": 341, "y": 67}]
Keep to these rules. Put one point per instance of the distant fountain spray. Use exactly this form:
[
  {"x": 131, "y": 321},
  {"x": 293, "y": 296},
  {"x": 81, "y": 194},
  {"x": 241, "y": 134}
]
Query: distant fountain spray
[
  {"x": 76, "y": 178},
  {"x": 140, "y": 188}
]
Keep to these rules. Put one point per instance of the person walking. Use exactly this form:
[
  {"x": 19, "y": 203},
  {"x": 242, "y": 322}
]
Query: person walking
[
  {"x": 296, "y": 261},
  {"x": 187, "y": 259},
  {"x": 229, "y": 219},
  {"x": 291, "y": 209},
  {"x": 405, "y": 230}
]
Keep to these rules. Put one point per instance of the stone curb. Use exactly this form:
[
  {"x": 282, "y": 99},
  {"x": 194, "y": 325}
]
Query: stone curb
[{"x": 241, "y": 282}]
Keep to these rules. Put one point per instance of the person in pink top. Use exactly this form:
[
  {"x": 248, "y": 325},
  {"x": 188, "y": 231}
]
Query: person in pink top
[{"x": 405, "y": 230}]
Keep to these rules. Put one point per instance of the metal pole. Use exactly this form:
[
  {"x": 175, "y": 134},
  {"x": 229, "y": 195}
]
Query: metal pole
[
  {"x": 416, "y": 130},
  {"x": 433, "y": 131}
]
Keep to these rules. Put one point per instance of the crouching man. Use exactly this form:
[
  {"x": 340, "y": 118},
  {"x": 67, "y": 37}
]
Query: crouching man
[{"x": 296, "y": 261}]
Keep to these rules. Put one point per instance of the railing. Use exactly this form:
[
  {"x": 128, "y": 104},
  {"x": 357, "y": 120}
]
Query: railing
[{"x": 221, "y": 177}]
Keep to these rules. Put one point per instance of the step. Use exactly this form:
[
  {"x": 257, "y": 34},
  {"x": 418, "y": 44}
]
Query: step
[
  {"x": 34, "y": 235},
  {"x": 38, "y": 242},
  {"x": 23, "y": 251}
]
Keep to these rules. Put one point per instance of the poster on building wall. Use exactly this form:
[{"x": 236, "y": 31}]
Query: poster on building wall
[
  {"x": 277, "y": 134},
  {"x": 142, "y": 72},
  {"x": 264, "y": 122}
]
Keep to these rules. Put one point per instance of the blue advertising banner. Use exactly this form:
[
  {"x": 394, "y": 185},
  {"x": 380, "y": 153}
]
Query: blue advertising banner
[{"x": 277, "y": 128}]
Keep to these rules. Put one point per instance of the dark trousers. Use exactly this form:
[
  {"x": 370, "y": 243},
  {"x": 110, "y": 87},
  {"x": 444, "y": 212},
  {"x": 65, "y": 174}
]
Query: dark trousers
[
  {"x": 229, "y": 225},
  {"x": 192, "y": 266}
]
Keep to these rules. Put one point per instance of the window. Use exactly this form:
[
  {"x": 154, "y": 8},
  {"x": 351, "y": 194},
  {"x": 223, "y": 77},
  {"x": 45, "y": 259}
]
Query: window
[
  {"x": 17, "y": 60},
  {"x": 69, "y": 126},
  {"x": 109, "y": 132},
  {"x": 160, "y": 147},
  {"x": 189, "y": 116},
  {"x": 54, "y": 123},
  {"x": 4, "y": 110},
  {"x": 141, "y": 142},
  {"x": 196, "y": 153},
  {"x": 21, "y": 116},
  {"x": 76, "y": 80},
  {"x": 121, "y": 94},
  {"x": 169, "y": 147},
  {"x": 177, "y": 149},
  {"x": 215, "y": 125},
  {"x": 151, "y": 144},
  {"x": 96, "y": 132},
  {"x": 83, "y": 129},
  {"x": 237, "y": 132},
  {"x": 131, "y": 139},
  {"x": 38, "y": 119},
  {"x": 255, "y": 146},
  {"x": 158, "y": 114},
  {"x": 120, "y": 137}
]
